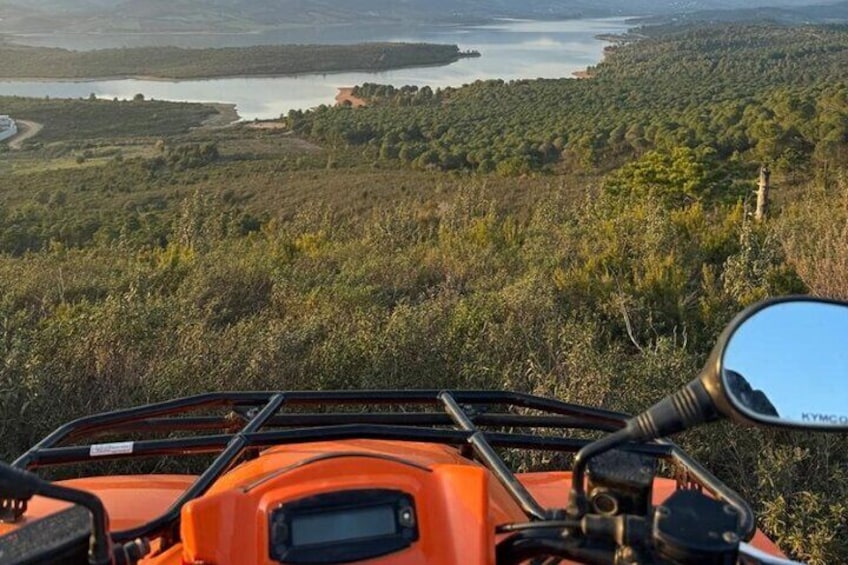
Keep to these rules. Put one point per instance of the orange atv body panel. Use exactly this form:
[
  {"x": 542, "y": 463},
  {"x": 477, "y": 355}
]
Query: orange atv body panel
[
  {"x": 130, "y": 500},
  {"x": 458, "y": 502}
]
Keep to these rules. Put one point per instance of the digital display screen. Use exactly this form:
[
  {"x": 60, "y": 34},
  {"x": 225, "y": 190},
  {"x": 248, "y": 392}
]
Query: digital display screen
[{"x": 343, "y": 525}]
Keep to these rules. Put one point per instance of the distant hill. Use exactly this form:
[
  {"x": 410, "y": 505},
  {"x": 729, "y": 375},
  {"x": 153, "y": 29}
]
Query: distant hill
[
  {"x": 45, "y": 16},
  {"x": 821, "y": 13}
]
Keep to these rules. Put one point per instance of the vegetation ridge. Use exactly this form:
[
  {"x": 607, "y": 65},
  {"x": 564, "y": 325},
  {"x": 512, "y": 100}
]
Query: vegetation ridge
[{"x": 175, "y": 63}]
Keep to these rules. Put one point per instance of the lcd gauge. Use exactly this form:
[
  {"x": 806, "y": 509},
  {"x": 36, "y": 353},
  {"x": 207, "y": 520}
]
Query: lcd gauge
[{"x": 343, "y": 525}]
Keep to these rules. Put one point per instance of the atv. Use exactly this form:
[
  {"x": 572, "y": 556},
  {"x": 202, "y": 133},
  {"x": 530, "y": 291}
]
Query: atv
[{"x": 427, "y": 476}]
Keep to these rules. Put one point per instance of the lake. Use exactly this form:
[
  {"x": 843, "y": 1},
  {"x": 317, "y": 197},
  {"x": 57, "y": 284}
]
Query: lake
[{"x": 511, "y": 50}]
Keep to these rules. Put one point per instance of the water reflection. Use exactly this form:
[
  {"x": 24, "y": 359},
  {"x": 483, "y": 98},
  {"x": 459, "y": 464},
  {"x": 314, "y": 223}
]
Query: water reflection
[{"x": 511, "y": 50}]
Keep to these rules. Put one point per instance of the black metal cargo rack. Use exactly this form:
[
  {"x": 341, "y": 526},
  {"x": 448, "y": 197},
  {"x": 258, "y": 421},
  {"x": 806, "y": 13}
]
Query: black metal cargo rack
[{"x": 259, "y": 420}]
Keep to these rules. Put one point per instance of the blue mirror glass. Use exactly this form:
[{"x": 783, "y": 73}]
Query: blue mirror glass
[{"x": 788, "y": 364}]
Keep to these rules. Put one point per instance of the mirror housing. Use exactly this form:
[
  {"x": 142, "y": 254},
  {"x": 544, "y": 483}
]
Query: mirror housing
[{"x": 783, "y": 363}]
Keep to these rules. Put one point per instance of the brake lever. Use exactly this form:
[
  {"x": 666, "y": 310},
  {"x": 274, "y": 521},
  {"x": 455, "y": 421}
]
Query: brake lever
[{"x": 750, "y": 555}]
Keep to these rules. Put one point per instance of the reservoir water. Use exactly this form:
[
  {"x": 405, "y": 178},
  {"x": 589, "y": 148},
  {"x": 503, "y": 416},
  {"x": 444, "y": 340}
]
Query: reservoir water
[{"x": 511, "y": 50}]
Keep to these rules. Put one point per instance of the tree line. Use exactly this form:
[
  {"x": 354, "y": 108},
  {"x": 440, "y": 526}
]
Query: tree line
[
  {"x": 181, "y": 63},
  {"x": 74, "y": 119}
]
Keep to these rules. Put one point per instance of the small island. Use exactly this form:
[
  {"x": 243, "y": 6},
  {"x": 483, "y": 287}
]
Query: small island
[{"x": 174, "y": 63}]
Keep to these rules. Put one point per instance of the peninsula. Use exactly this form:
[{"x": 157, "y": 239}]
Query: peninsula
[{"x": 174, "y": 63}]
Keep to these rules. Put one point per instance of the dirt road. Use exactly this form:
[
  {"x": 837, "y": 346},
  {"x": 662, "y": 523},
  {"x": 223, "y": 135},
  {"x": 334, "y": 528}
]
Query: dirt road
[{"x": 26, "y": 130}]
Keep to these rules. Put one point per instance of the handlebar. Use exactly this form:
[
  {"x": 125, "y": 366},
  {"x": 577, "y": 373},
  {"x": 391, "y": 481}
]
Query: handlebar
[
  {"x": 517, "y": 550},
  {"x": 688, "y": 528}
]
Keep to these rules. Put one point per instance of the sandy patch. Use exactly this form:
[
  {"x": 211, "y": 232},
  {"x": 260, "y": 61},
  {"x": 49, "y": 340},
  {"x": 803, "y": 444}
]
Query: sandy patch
[{"x": 345, "y": 97}]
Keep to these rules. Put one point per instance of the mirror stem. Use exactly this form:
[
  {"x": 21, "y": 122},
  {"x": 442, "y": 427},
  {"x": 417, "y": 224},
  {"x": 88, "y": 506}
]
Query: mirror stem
[{"x": 686, "y": 408}]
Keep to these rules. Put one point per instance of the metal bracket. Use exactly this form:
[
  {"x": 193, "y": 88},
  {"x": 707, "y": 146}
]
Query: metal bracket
[{"x": 12, "y": 510}]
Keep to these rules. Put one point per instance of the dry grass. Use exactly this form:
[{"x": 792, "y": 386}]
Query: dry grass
[{"x": 814, "y": 232}]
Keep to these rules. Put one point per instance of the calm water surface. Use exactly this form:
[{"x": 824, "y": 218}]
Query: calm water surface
[{"x": 511, "y": 50}]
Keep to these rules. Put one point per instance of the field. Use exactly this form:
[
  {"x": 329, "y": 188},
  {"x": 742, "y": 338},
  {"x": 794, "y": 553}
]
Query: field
[{"x": 91, "y": 120}]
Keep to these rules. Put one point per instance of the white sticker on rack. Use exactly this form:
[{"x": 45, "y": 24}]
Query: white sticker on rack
[{"x": 105, "y": 449}]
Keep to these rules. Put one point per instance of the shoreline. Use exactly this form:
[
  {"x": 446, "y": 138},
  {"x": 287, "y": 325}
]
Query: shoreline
[
  {"x": 209, "y": 78},
  {"x": 614, "y": 40},
  {"x": 227, "y": 116}
]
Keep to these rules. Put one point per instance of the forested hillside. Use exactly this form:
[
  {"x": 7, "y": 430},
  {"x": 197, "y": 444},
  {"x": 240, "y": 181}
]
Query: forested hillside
[
  {"x": 768, "y": 93},
  {"x": 583, "y": 239},
  {"x": 177, "y": 63}
]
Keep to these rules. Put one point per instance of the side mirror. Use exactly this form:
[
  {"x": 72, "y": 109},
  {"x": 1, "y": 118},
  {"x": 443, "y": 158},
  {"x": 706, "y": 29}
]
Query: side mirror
[
  {"x": 785, "y": 363},
  {"x": 782, "y": 362}
]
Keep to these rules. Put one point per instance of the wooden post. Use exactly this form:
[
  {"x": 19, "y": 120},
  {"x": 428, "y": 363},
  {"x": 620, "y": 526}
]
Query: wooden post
[{"x": 763, "y": 193}]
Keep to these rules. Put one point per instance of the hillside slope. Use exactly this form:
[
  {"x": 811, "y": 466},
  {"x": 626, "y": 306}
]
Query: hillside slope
[{"x": 45, "y": 16}]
